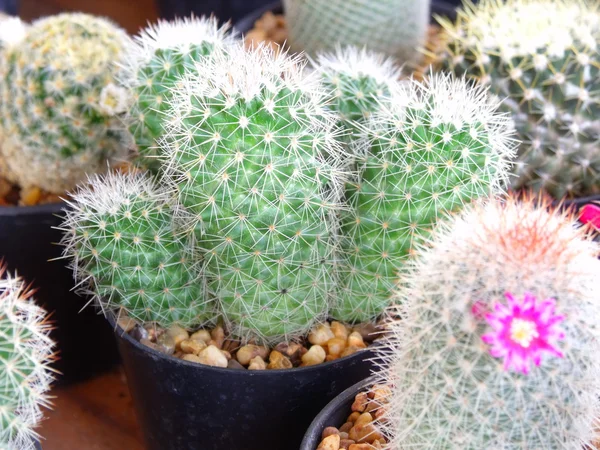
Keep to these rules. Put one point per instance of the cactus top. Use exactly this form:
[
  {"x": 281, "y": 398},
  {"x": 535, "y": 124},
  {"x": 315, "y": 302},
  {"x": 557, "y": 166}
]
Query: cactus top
[
  {"x": 252, "y": 151},
  {"x": 504, "y": 284},
  {"x": 25, "y": 352}
]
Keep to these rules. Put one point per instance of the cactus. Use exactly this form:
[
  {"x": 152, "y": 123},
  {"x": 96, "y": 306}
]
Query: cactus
[
  {"x": 433, "y": 148},
  {"x": 494, "y": 343},
  {"x": 358, "y": 81},
  {"x": 253, "y": 154},
  {"x": 58, "y": 101},
  {"x": 25, "y": 354},
  {"x": 543, "y": 57},
  {"x": 160, "y": 55},
  {"x": 392, "y": 27},
  {"x": 121, "y": 237}
]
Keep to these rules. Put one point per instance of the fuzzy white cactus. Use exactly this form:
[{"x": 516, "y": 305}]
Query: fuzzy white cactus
[
  {"x": 25, "y": 352},
  {"x": 496, "y": 338},
  {"x": 154, "y": 63}
]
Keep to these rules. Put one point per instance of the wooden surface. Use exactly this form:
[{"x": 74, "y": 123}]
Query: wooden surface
[{"x": 94, "y": 415}]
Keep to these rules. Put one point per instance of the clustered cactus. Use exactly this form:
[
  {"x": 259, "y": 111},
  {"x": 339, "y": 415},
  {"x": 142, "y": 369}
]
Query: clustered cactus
[
  {"x": 433, "y": 148},
  {"x": 496, "y": 340},
  {"x": 58, "y": 101},
  {"x": 25, "y": 352},
  {"x": 392, "y": 27},
  {"x": 542, "y": 57},
  {"x": 154, "y": 63}
]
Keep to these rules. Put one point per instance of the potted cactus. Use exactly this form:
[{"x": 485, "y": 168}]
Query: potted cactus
[
  {"x": 58, "y": 107},
  {"x": 27, "y": 352},
  {"x": 493, "y": 340},
  {"x": 242, "y": 218},
  {"x": 541, "y": 58}
]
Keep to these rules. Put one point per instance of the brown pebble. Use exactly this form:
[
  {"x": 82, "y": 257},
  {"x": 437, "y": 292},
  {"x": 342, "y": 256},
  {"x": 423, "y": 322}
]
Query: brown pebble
[
  {"x": 363, "y": 419},
  {"x": 360, "y": 403},
  {"x": 148, "y": 343},
  {"x": 126, "y": 323},
  {"x": 194, "y": 346},
  {"x": 231, "y": 345},
  {"x": 351, "y": 350},
  {"x": 201, "y": 335},
  {"x": 343, "y": 435},
  {"x": 330, "y": 443},
  {"x": 328, "y": 431},
  {"x": 356, "y": 340},
  {"x": 165, "y": 344},
  {"x": 360, "y": 447},
  {"x": 315, "y": 355},
  {"x": 218, "y": 336},
  {"x": 257, "y": 363},
  {"x": 192, "y": 358},
  {"x": 339, "y": 330},
  {"x": 233, "y": 364},
  {"x": 331, "y": 358},
  {"x": 213, "y": 356},
  {"x": 177, "y": 333},
  {"x": 246, "y": 353},
  {"x": 346, "y": 443},
  {"x": 278, "y": 361},
  {"x": 227, "y": 354},
  {"x": 279, "y": 36},
  {"x": 368, "y": 331},
  {"x": 352, "y": 417},
  {"x": 320, "y": 334},
  {"x": 346, "y": 427},
  {"x": 336, "y": 346}
]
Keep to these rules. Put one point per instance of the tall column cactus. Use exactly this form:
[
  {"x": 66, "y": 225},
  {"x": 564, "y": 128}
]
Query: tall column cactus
[
  {"x": 543, "y": 57},
  {"x": 58, "y": 101},
  {"x": 153, "y": 65},
  {"x": 25, "y": 353},
  {"x": 252, "y": 152},
  {"x": 121, "y": 236},
  {"x": 392, "y": 27},
  {"x": 435, "y": 147},
  {"x": 496, "y": 338}
]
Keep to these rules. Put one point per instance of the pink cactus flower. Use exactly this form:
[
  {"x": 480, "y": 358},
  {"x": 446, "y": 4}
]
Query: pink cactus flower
[
  {"x": 590, "y": 213},
  {"x": 523, "y": 331}
]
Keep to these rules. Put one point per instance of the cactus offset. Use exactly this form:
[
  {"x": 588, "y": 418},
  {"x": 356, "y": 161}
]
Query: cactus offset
[
  {"x": 122, "y": 238},
  {"x": 392, "y": 27},
  {"x": 58, "y": 103},
  {"x": 25, "y": 353},
  {"x": 253, "y": 154},
  {"x": 157, "y": 59},
  {"x": 495, "y": 342},
  {"x": 435, "y": 147},
  {"x": 543, "y": 56},
  {"x": 358, "y": 81}
]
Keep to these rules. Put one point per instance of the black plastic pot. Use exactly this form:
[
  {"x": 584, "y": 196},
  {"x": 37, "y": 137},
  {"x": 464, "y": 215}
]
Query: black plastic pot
[
  {"x": 37, "y": 445},
  {"x": 333, "y": 415},
  {"x": 85, "y": 342},
  {"x": 188, "y": 406},
  {"x": 247, "y": 23}
]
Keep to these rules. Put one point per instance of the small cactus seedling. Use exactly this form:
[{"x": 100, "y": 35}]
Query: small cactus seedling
[
  {"x": 253, "y": 155},
  {"x": 58, "y": 101},
  {"x": 120, "y": 234},
  {"x": 358, "y": 81},
  {"x": 25, "y": 354},
  {"x": 154, "y": 63},
  {"x": 543, "y": 58},
  {"x": 436, "y": 146},
  {"x": 494, "y": 343}
]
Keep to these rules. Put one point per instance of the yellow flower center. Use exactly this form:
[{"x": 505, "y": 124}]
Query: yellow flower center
[{"x": 523, "y": 332}]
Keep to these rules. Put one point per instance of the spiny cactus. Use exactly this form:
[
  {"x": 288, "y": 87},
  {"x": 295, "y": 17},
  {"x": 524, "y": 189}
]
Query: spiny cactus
[
  {"x": 58, "y": 103},
  {"x": 25, "y": 353},
  {"x": 122, "y": 238},
  {"x": 494, "y": 343},
  {"x": 392, "y": 27},
  {"x": 252, "y": 152},
  {"x": 358, "y": 81},
  {"x": 436, "y": 146},
  {"x": 543, "y": 57},
  {"x": 157, "y": 59}
]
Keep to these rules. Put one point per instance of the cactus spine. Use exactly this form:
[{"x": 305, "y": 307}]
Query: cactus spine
[
  {"x": 254, "y": 159},
  {"x": 25, "y": 352},
  {"x": 435, "y": 147},
  {"x": 58, "y": 101},
  {"x": 392, "y": 27},
  {"x": 496, "y": 340},
  {"x": 543, "y": 56},
  {"x": 121, "y": 236},
  {"x": 157, "y": 59}
]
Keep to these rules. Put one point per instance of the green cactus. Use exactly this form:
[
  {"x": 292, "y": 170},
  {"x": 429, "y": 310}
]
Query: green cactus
[
  {"x": 543, "y": 57},
  {"x": 121, "y": 236},
  {"x": 58, "y": 103},
  {"x": 253, "y": 155},
  {"x": 358, "y": 81},
  {"x": 496, "y": 338},
  {"x": 392, "y": 27},
  {"x": 433, "y": 148},
  {"x": 157, "y": 59},
  {"x": 25, "y": 354}
]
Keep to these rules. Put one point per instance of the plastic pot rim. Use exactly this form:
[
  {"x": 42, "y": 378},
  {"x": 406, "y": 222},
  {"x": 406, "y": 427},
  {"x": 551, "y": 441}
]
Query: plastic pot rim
[
  {"x": 16, "y": 210},
  {"x": 121, "y": 334}
]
